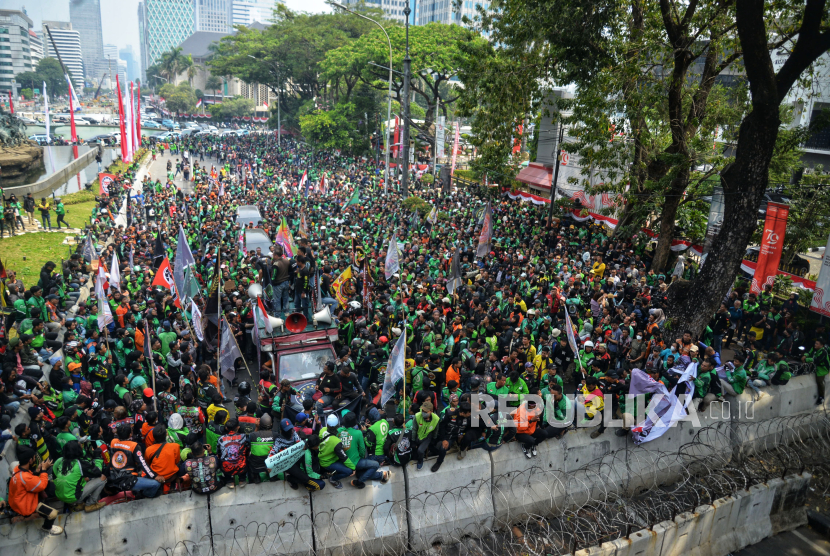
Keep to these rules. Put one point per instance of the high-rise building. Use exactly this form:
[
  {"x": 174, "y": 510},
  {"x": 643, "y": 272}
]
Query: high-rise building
[
  {"x": 213, "y": 16},
  {"x": 128, "y": 55},
  {"x": 68, "y": 42},
  {"x": 246, "y": 12},
  {"x": 444, "y": 11},
  {"x": 162, "y": 24},
  {"x": 392, "y": 9},
  {"x": 36, "y": 47},
  {"x": 85, "y": 16},
  {"x": 15, "y": 50}
]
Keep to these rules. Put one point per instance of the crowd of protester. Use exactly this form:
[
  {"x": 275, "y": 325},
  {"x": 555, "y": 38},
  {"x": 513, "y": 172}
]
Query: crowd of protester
[{"x": 140, "y": 408}]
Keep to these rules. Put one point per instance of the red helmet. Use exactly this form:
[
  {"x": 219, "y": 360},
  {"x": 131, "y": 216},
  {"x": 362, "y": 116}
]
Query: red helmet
[{"x": 383, "y": 340}]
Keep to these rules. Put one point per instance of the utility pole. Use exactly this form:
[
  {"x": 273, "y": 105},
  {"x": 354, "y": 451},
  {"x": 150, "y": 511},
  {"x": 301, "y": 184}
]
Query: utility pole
[
  {"x": 407, "y": 76},
  {"x": 555, "y": 173}
]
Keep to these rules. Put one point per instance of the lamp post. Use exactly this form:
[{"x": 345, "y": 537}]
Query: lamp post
[
  {"x": 389, "y": 104},
  {"x": 279, "y": 111},
  {"x": 407, "y": 76}
]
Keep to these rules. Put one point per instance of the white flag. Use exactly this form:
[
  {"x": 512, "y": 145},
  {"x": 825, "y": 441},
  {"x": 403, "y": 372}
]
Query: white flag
[
  {"x": 104, "y": 314},
  {"x": 392, "y": 264},
  {"x": 196, "y": 317},
  {"x": 121, "y": 217},
  {"x": 46, "y": 109},
  {"x": 184, "y": 258},
  {"x": 818, "y": 304},
  {"x": 432, "y": 218},
  {"x": 394, "y": 368},
  {"x": 101, "y": 283},
  {"x": 228, "y": 352},
  {"x": 115, "y": 273}
]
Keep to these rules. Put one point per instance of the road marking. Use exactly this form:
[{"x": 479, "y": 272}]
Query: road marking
[{"x": 818, "y": 548}]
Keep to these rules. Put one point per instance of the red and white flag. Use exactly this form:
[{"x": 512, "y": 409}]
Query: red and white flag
[
  {"x": 304, "y": 180},
  {"x": 198, "y": 103},
  {"x": 164, "y": 278},
  {"x": 265, "y": 318}
]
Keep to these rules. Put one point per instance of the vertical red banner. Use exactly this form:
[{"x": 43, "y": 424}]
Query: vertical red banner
[
  {"x": 772, "y": 243},
  {"x": 397, "y": 139},
  {"x": 121, "y": 127},
  {"x": 138, "y": 116},
  {"x": 11, "y": 103}
]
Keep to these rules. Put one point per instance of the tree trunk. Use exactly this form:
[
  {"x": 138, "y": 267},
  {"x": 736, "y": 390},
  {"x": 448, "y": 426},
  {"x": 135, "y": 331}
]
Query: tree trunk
[
  {"x": 667, "y": 218},
  {"x": 692, "y": 304}
]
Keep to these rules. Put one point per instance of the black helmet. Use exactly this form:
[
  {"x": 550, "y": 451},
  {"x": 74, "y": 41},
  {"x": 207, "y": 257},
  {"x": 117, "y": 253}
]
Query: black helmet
[
  {"x": 475, "y": 382},
  {"x": 244, "y": 389}
]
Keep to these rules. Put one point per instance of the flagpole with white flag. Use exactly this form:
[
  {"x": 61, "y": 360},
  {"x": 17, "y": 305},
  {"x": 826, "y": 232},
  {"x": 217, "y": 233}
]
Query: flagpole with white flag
[
  {"x": 395, "y": 370},
  {"x": 121, "y": 218},
  {"x": 392, "y": 263},
  {"x": 115, "y": 273}
]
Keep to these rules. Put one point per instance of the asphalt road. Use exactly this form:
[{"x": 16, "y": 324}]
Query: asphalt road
[{"x": 801, "y": 542}]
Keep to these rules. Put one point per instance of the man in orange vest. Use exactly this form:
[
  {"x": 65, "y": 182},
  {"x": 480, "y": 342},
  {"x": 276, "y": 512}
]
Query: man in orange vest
[
  {"x": 25, "y": 486},
  {"x": 126, "y": 459},
  {"x": 528, "y": 431}
]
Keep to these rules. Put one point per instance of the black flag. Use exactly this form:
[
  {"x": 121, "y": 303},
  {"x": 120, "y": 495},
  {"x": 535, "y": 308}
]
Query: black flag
[
  {"x": 158, "y": 252},
  {"x": 454, "y": 280}
]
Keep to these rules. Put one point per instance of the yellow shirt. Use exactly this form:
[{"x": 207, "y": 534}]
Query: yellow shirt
[{"x": 598, "y": 269}]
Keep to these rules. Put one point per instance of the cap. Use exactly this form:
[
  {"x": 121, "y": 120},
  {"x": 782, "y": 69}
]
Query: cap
[
  {"x": 332, "y": 420},
  {"x": 286, "y": 425},
  {"x": 301, "y": 417},
  {"x": 148, "y": 393}
]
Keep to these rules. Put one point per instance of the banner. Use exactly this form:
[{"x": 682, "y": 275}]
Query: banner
[
  {"x": 716, "y": 211},
  {"x": 394, "y": 368},
  {"x": 818, "y": 304},
  {"x": 440, "y": 136},
  {"x": 196, "y": 317},
  {"x": 283, "y": 461},
  {"x": 772, "y": 243},
  {"x": 397, "y": 139},
  {"x": 228, "y": 351},
  {"x": 454, "y": 281},
  {"x": 454, "y": 149}
]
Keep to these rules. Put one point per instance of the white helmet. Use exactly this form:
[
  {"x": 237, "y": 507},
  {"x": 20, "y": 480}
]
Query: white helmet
[
  {"x": 355, "y": 304},
  {"x": 589, "y": 344}
]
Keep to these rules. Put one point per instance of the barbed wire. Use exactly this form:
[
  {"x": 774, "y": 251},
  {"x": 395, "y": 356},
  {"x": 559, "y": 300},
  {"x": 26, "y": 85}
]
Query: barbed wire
[{"x": 542, "y": 510}]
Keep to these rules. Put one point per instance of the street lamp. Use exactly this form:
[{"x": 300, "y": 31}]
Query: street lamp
[
  {"x": 407, "y": 73},
  {"x": 279, "y": 112},
  {"x": 389, "y": 104}
]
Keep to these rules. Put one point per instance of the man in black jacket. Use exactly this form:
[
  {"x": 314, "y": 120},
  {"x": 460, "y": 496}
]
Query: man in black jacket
[
  {"x": 29, "y": 207},
  {"x": 302, "y": 285}
]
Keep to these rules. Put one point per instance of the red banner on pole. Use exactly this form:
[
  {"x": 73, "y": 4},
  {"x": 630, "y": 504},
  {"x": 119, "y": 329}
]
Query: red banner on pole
[
  {"x": 121, "y": 126},
  {"x": 11, "y": 103},
  {"x": 772, "y": 243},
  {"x": 397, "y": 139}
]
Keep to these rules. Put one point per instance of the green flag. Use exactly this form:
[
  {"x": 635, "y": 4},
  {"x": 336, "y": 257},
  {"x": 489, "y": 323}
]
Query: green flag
[{"x": 354, "y": 199}]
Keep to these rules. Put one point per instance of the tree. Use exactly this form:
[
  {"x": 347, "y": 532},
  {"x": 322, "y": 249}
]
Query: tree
[
  {"x": 47, "y": 70},
  {"x": 180, "y": 99},
  {"x": 285, "y": 56},
  {"x": 436, "y": 56},
  {"x": 232, "y": 108},
  {"x": 670, "y": 75},
  {"x": 27, "y": 93},
  {"x": 213, "y": 83},
  {"x": 329, "y": 129}
]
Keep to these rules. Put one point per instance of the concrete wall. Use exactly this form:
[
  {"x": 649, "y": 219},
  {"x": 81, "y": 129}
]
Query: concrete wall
[{"x": 470, "y": 497}]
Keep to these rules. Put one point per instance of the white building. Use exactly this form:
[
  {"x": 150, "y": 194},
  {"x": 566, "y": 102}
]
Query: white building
[
  {"x": 392, "y": 9},
  {"x": 213, "y": 16},
  {"x": 15, "y": 50},
  {"x": 68, "y": 42},
  {"x": 246, "y": 12},
  {"x": 443, "y": 11},
  {"x": 36, "y": 47}
]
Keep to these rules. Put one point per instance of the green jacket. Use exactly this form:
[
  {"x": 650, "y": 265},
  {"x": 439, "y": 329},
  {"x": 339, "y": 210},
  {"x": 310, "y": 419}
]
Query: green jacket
[
  {"x": 60, "y": 210},
  {"x": 737, "y": 378},
  {"x": 820, "y": 359},
  {"x": 353, "y": 443}
]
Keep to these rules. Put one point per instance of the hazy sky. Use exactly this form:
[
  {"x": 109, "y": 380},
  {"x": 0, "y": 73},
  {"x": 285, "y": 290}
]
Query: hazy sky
[{"x": 118, "y": 17}]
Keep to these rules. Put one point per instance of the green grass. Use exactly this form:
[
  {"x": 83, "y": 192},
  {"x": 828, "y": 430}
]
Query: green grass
[
  {"x": 78, "y": 215},
  {"x": 37, "y": 248}
]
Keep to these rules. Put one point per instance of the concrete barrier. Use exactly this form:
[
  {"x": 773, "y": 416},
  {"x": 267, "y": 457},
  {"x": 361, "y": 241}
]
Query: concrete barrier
[
  {"x": 270, "y": 518},
  {"x": 373, "y": 518},
  {"x": 83, "y": 536},
  {"x": 443, "y": 511},
  {"x": 176, "y": 521}
]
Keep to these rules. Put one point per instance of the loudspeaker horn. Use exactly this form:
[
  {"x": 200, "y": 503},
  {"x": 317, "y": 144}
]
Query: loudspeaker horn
[
  {"x": 276, "y": 322},
  {"x": 322, "y": 317},
  {"x": 296, "y": 322},
  {"x": 254, "y": 291}
]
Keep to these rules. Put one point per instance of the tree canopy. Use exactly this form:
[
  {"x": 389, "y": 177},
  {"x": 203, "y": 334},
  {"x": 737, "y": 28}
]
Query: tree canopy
[{"x": 48, "y": 70}]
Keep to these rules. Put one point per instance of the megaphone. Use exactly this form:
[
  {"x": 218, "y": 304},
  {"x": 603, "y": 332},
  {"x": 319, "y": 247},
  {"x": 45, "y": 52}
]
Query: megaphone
[
  {"x": 276, "y": 322},
  {"x": 254, "y": 291},
  {"x": 296, "y": 322},
  {"x": 322, "y": 317}
]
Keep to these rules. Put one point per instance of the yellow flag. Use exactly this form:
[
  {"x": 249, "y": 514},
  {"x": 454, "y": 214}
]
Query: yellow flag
[{"x": 338, "y": 284}]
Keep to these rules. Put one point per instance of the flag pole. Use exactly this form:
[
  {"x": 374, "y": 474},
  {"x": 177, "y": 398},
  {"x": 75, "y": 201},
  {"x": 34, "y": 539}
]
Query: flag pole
[{"x": 243, "y": 355}]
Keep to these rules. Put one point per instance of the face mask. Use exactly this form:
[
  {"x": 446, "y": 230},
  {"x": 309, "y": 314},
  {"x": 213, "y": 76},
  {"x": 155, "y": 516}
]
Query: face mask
[
  {"x": 674, "y": 349},
  {"x": 639, "y": 337}
]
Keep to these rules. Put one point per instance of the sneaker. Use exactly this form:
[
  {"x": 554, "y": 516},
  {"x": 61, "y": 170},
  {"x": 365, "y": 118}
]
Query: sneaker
[
  {"x": 462, "y": 454},
  {"x": 55, "y": 530},
  {"x": 435, "y": 467},
  {"x": 533, "y": 451},
  {"x": 820, "y": 400},
  {"x": 231, "y": 486},
  {"x": 294, "y": 486},
  {"x": 386, "y": 475},
  {"x": 358, "y": 484},
  {"x": 420, "y": 465},
  {"x": 526, "y": 453},
  {"x": 336, "y": 484},
  {"x": 596, "y": 434},
  {"x": 94, "y": 507}
]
